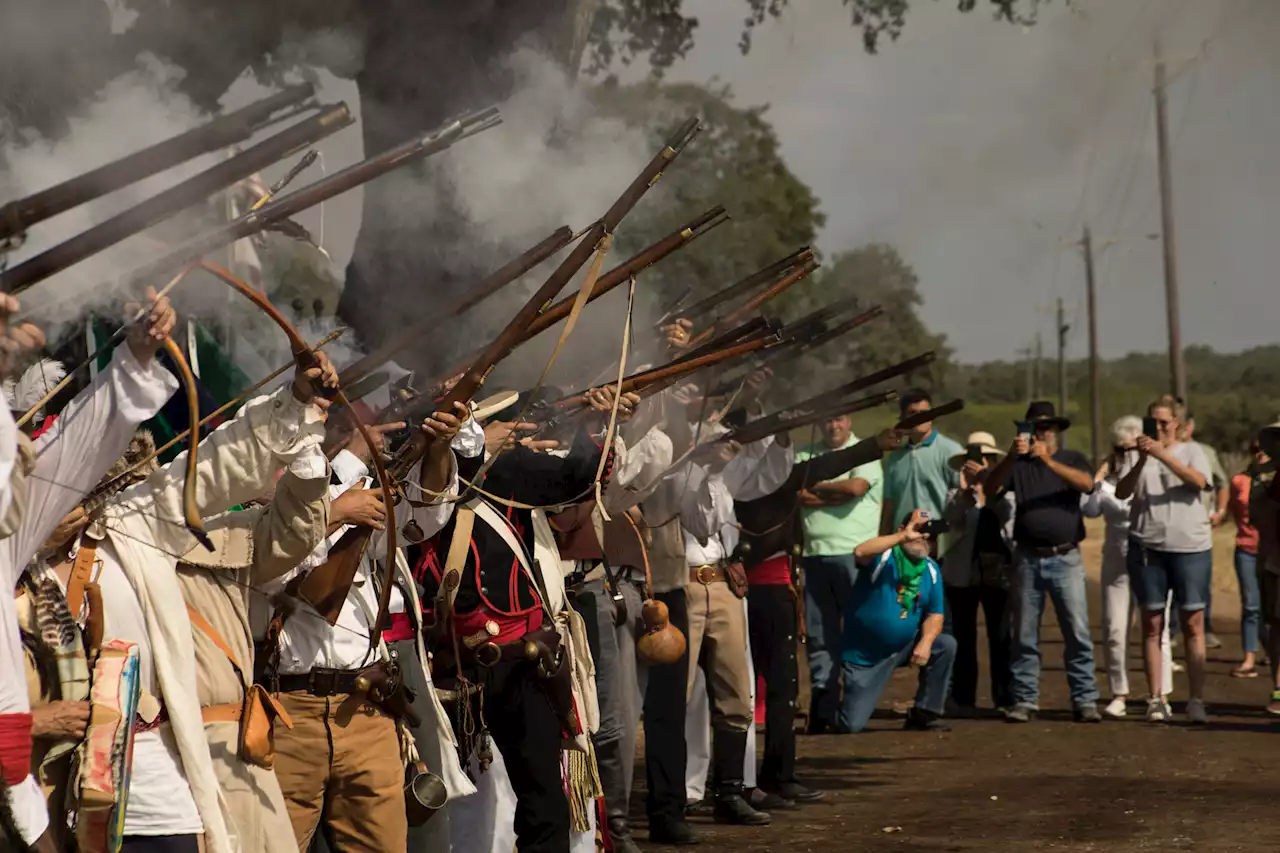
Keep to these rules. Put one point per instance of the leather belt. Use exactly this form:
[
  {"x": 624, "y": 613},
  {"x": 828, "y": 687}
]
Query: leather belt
[
  {"x": 222, "y": 713},
  {"x": 1053, "y": 550},
  {"x": 706, "y": 574},
  {"x": 140, "y": 725},
  {"x": 320, "y": 681}
]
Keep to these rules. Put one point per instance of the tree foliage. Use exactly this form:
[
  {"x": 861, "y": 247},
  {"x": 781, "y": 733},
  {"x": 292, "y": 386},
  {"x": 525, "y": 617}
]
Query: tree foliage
[{"x": 625, "y": 30}]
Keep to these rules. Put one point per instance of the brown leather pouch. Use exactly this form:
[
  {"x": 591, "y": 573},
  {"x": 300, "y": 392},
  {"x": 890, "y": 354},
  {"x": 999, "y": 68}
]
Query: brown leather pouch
[
  {"x": 257, "y": 738},
  {"x": 735, "y": 576}
]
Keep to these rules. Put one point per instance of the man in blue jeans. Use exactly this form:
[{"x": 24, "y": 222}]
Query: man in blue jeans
[
  {"x": 1047, "y": 482},
  {"x": 839, "y": 515},
  {"x": 895, "y": 619}
]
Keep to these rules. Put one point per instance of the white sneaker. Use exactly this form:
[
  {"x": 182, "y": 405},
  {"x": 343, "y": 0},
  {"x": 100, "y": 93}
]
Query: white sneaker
[
  {"x": 1178, "y": 666},
  {"x": 1157, "y": 711},
  {"x": 1196, "y": 713},
  {"x": 1116, "y": 708}
]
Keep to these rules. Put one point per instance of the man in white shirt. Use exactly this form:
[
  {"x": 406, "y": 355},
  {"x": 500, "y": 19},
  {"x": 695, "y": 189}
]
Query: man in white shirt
[
  {"x": 714, "y": 478},
  {"x": 340, "y": 766},
  {"x": 39, "y": 486}
]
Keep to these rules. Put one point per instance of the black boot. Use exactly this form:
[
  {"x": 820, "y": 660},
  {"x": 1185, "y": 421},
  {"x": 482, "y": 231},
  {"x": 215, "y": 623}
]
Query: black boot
[
  {"x": 729, "y": 748},
  {"x": 676, "y": 832},
  {"x": 620, "y": 832},
  {"x": 920, "y": 720}
]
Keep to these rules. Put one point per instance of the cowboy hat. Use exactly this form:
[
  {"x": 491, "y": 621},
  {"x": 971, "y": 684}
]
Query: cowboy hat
[
  {"x": 1042, "y": 412},
  {"x": 983, "y": 440},
  {"x": 1269, "y": 440}
]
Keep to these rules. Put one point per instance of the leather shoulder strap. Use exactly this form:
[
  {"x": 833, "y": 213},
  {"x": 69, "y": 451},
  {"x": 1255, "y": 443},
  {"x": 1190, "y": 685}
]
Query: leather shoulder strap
[
  {"x": 81, "y": 572},
  {"x": 209, "y": 631},
  {"x": 464, "y": 520}
]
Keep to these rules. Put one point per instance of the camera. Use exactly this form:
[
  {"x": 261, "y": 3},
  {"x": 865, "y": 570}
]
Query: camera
[
  {"x": 1151, "y": 428},
  {"x": 935, "y": 527}
]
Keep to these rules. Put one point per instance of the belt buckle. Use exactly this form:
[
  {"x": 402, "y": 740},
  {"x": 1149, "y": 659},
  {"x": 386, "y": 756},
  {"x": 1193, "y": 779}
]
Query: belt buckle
[
  {"x": 488, "y": 655},
  {"x": 705, "y": 581}
]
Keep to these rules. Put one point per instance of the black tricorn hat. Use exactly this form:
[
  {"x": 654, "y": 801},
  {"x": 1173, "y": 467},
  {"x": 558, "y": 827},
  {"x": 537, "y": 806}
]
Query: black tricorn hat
[{"x": 1042, "y": 412}]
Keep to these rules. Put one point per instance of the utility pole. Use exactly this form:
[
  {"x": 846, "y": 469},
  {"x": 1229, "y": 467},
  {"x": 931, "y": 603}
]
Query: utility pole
[
  {"x": 1095, "y": 401},
  {"x": 1025, "y": 355},
  {"x": 1039, "y": 366},
  {"x": 1063, "y": 328},
  {"x": 1177, "y": 368}
]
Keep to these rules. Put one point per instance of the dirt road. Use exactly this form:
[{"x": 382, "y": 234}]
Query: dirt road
[{"x": 1119, "y": 787}]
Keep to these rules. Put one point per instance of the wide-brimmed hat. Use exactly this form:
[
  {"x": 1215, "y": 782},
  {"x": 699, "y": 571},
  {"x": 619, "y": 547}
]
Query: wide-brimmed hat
[
  {"x": 491, "y": 405},
  {"x": 1269, "y": 440},
  {"x": 984, "y": 440},
  {"x": 1042, "y": 412}
]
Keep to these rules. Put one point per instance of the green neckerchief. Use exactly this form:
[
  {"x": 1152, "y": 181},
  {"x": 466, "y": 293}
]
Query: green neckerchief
[{"x": 909, "y": 574}]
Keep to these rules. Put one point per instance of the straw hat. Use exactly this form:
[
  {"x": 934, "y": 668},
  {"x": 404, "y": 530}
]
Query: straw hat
[{"x": 985, "y": 440}]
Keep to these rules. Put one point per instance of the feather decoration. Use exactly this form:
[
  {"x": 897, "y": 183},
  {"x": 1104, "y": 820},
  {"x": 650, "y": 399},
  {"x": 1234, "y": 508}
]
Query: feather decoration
[{"x": 34, "y": 383}]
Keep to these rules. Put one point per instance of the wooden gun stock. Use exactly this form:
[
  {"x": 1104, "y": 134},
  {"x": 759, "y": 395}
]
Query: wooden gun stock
[
  {"x": 325, "y": 587},
  {"x": 765, "y": 427},
  {"x": 745, "y": 310},
  {"x": 742, "y": 287},
  {"x": 17, "y": 216}
]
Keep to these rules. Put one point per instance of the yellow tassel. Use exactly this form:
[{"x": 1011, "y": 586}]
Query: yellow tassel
[{"x": 584, "y": 787}]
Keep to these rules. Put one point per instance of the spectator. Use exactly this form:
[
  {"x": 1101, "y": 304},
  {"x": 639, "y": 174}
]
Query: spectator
[
  {"x": 838, "y": 515},
  {"x": 1216, "y": 500},
  {"x": 895, "y": 619},
  {"x": 1170, "y": 548},
  {"x": 976, "y": 574},
  {"x": 919, "y": 475},
  {"x": 1264, "y": 514},
  {"x": 1117, "y": 594},
  {"x": 1047, "y": 483},
  {"x": 1246, "y": 563}
]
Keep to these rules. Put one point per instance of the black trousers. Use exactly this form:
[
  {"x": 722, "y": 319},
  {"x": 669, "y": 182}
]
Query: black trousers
[
  {"x": 665, "y": 752},
  {"x": 964, "y": 602},
  {"x": 527, "y": 732},
  {"x": 771, "y": 616}
]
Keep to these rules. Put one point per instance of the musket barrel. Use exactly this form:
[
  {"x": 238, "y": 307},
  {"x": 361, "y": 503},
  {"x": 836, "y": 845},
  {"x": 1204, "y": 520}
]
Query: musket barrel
[
  {"x": 286, "y": 206},
  {"x": 177, "y": 198},
  {"x": 19, "y": 215}
]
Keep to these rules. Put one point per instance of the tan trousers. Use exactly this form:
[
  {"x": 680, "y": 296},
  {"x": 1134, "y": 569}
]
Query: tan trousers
[
  {"x": 340, "y": 764},
  {"x": 718, "y": 643}
]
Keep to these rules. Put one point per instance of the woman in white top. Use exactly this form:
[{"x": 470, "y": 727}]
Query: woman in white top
[{"x": 1117, "y": 598}]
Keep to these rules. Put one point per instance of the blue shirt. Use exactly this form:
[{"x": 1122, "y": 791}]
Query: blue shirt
[
  {"x": 874, "y": 627},
  {"x": 920, "y": 476}
]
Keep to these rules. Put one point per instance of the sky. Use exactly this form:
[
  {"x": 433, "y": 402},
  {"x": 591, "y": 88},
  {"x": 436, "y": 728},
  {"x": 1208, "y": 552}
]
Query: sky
[{"x": 980, "y": 150}]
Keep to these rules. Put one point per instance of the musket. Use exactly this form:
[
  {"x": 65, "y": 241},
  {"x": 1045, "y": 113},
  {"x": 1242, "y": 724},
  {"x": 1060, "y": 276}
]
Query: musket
[
  {"x": 621, "y": 274},
  {"x": 254, "y": 221},
  {"x": 517, "y": 329},
  {"x": 739, "y": 288},
  {"x": 496, "y": 280},
  {"x": 797, "y": 341},
  {"x": 234, "y": 127},
  {"x": 757, "y": 430},
  {"x": 860, "y": 384},
  {"x": 753, "y": 328},
  {"x": 914, "y": 420},
  {"x": 177, "y": 198},
  {"x": 647, "y": 382},
  {"x": 747, "y": 308}
]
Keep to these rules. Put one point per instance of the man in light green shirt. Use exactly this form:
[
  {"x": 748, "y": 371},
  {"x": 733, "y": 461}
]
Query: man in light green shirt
[{"x": 838, "y": 515}]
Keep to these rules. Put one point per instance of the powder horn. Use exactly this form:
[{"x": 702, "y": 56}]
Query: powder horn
[{"x": 662, "y": 642}]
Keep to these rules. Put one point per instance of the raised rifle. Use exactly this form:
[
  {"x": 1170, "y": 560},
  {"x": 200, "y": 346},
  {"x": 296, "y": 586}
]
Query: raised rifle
[
  {"x": 749, "y": 307},
  {"x": 743, "y": 287},
  {"x": 280, "y": 210},
  {"x": 338, "y": 572},
  {"x": 234, "y": 127},
  {"x": 862, "y": 383},
  {"x": 177, "y": 198},
  {"x": 783, "y": 421},
  {"x": 496, "y": 280}
]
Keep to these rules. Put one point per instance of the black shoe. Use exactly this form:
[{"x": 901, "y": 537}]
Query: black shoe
[
  {"x": 924, "y": 721},
  {"x": 797, "y": 793},
  {"x": 677, "y": 832},
  {"x": 767, "y": 801},
  {"x": 818, "y": 726},
  {"x": 620, "y": 833},
  {"x": 702, "y": 808},
  {"x": 733, "y": 809}
]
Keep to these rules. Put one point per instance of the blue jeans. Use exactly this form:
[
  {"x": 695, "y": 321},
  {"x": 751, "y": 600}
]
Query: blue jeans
[
  {"x": 864, "y": 684},
  {"x": 1153, "y": 574},
  {"x": 828, "y": 584},
  {"x": 1061, "y": 579},
  {"x": 1250, "y": 599}
]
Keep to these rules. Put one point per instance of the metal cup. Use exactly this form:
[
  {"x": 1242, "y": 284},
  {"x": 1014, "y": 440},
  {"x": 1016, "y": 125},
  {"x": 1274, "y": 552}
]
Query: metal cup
[{"x": 424, "y": 794}]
